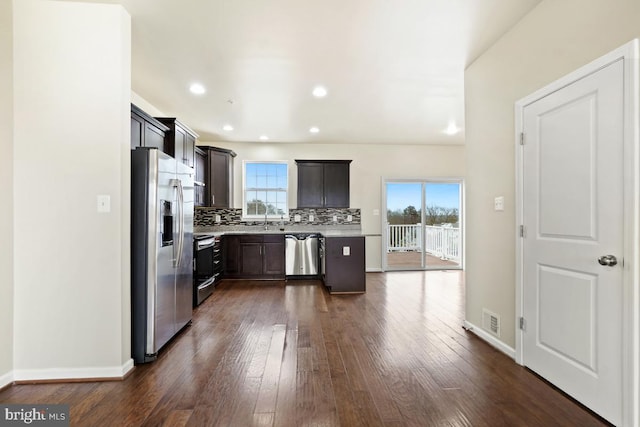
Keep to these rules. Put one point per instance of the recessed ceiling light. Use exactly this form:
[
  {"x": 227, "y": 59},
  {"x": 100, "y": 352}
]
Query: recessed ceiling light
[
  {"x": 314, "y": 129},
  {"x": 264, "y": 138},
  {"x": 319, "y": 91},
  {"x": 227, "y": 128},
  {"x": 197, "y": 89},
  {"x": 452, "y": 129}
]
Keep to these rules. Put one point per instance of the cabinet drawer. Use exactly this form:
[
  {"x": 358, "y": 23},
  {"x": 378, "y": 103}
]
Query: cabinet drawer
[{"x": 251, "y": 239}]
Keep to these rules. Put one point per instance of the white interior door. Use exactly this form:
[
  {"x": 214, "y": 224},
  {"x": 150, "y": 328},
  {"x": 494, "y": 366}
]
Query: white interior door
[{"x": 573, "y": 183}]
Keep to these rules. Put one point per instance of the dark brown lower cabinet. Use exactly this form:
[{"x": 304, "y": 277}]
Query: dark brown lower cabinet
[
  {"x": 254, "y": 256},
  {"x": 345, "y": 264},
  {"x": 273, "y": 262}
]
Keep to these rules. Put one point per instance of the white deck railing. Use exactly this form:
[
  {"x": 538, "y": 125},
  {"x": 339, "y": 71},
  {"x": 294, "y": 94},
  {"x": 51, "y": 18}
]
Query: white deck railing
[{"x": 443, "y": 242}]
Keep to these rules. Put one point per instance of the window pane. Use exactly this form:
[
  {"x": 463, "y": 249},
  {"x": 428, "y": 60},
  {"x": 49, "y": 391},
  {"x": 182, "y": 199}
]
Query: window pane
[{"x": 266, "y": 188}]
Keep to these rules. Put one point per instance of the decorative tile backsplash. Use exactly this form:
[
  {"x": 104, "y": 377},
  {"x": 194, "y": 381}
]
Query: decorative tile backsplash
[{"x": 206, "y": 217}]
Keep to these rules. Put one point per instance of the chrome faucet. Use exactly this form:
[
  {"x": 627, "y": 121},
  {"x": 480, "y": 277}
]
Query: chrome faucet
[{"x": 266, "y": 226}]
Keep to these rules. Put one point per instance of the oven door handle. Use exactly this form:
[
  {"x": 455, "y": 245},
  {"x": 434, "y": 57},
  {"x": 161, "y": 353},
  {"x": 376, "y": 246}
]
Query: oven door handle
[
  {"x": 205, "y": 243},
  {"x": 208, "y": 283}
]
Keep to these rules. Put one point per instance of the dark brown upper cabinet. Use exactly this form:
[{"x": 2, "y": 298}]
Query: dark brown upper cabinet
[
  {"x": 323, "y": 183},
  {"x": 146, "y": 131},
  {"x": 219, "y": 177},
  {"x": 180, "y": 141},
  {"x": 200, "y": 179}
]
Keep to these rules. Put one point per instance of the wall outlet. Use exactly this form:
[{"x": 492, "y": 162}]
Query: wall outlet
[
  {"x": 311, "y": 218},
  {"x": 498, "y": 203},
  {"x": 376, "y": 212},
  {"x": 346, "y": 250},
  {"x": 296, "y": 218},
  {"x": 349, "y": 218},
  {"x": 335, "y": 218},
  {"x": 218, "y": 218}
]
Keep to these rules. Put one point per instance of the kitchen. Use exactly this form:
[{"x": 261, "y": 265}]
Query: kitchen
[
  {"x": 64, "y": 103},
  {"x": 54, "y": 95},
  {"x": 320, "y": 239}
]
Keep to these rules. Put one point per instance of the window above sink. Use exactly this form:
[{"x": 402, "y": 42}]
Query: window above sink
[{"x": 265, "y": 189}]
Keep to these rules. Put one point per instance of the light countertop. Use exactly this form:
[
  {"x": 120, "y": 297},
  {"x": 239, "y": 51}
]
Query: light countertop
[{"x": 344, "y": 231}]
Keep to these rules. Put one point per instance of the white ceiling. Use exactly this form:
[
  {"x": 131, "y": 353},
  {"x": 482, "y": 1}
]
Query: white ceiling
[{"x": 394, "y": 70}]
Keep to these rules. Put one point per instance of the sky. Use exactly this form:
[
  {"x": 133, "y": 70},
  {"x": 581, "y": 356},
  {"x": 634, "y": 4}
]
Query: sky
[{"x": 402, "y": 194}]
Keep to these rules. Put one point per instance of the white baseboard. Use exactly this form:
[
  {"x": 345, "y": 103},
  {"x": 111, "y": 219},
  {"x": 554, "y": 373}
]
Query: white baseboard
[
  {"x": 105, "y": 373},
  {"x": 493, "y": 341},
  {"x": 6, "y": 379},
  {"x": 374, "y": 270}
]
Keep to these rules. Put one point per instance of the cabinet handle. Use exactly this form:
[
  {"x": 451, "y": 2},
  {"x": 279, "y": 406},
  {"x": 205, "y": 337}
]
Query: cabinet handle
[{"x": 213, "y": 199}]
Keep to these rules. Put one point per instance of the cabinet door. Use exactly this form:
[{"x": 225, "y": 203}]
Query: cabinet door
[
  {"x": 231, "y": 255},
  {"x": 310, "y": 185},
  {"x": 251, "y": 259},
  {"x": 218, "y": 182},
  {"x": 153, "y": 137},
  {"x": 190, "y": 150},
  {"x": 336, "y": 185},
  {"x": 200, "y": 177},
  {"x": 180, "y": 139},
  {"x": 274, "y": 255},
  {"x": 137, "y": 131}
]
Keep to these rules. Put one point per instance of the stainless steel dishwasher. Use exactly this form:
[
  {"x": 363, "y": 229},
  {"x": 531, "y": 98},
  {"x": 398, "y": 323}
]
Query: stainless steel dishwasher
[{"x": 301, "y": 255}]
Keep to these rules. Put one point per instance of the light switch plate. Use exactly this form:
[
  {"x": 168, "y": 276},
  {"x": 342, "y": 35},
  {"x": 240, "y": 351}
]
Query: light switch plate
[
  {"x": 311, "y": 218},
  {"x": 346, "y": 250},
  {"x": 296, "y": 218},
  {"x": 376, "y": 212},
  {"x": 498, "y": 203},
  {"x": 217, "y": 218},
  {"x": 104, "y": 203}
]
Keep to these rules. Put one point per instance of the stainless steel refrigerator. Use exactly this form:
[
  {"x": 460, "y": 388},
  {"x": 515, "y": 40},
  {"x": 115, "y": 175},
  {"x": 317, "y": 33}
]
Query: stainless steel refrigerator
[{"x": 161, "y": 250}]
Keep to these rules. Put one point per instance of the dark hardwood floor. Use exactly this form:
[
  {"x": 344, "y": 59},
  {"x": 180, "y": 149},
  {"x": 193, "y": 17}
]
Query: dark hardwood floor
[{"x": 292, "y": 355}]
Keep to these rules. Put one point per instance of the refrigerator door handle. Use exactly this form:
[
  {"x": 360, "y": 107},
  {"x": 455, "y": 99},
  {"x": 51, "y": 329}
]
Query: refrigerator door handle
[
  {"x": 181, "y": 219},
  {"x": 177, "y": 249}
]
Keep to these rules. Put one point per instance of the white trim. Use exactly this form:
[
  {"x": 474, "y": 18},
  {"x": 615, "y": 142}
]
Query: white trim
[
  {"x": 490, "y": 339},
  {"x": 631, "y": 272},
  {"x": 115, "y": 372},
  {"x": 374, "y": 270},
  {"x": 6, "y": 379}
]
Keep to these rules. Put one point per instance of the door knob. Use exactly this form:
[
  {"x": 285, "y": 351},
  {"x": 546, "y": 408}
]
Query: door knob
[{"x": 608, "y": 260}]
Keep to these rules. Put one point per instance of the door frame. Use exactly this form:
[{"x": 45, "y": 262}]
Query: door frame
[
  {"x": 435, "y": 180},
  {"x": 631, "y": 270}
]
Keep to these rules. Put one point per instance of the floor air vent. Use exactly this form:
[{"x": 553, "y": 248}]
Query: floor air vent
[{"x": 491, "y": 322}]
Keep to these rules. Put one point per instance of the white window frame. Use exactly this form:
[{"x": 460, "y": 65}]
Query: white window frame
[{"x": 245, "y": 215}]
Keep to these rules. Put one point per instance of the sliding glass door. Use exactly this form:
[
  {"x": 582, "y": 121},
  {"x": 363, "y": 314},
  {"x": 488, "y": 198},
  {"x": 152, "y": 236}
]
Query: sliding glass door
[{"x": 423, "y": 227}]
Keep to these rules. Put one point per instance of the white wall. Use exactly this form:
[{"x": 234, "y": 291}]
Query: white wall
[
  {"x": 554, "y": 39},
  {"x": 146, "y": 106},
  {"x": 6, "y": 191},
  {"x": 71, "y": 132},
  {"x": 370, "y": 163}
]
